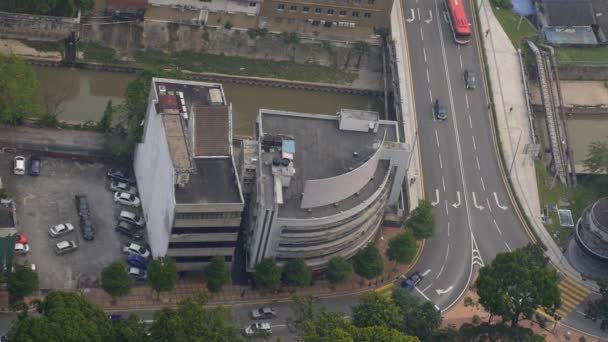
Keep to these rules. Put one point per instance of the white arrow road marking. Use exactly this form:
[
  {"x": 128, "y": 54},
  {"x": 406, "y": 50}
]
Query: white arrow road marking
[
  {"x": 498, "y": 204},
  {"x": 428, "y": 21},
  {"x": 480, "y": 207},
  {"x": 437, "y": 196},
  {"x": 475, "y": 254},
  {"x": 425, "y": 297},
  {"x": 409, "y": 20},
  {"x": 440, "y": 292},
  {"x": 456, "y": 205},
  {"x": 426, "y": 272}
]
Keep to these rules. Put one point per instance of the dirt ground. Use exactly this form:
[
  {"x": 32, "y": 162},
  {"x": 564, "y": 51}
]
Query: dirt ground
[
  {"x": 577, "y": 93},
  {"x": 10, "y": 46}
]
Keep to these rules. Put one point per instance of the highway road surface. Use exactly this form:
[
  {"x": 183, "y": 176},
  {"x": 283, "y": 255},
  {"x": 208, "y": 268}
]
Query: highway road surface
[{"x": 475, "y": 218}]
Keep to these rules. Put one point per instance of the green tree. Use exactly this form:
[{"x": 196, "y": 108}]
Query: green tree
[
  {"x": 598, "y": 309},
  {"x": 338, "y": 270},
  {"x": 402, "y": 248},
  {"x": 267, "y": 274},
  {"x": 381, "y": 334},
  {"x": 19, "y": 96},
  {"x": 597, "y": 157},
  {"x": 115, "y": 280},
  {"x": 297, "y": 273},
  {"x": 376, "y": 310},
  {"x": 63, "y": 316},
  {"x": 486, "y": 332},
  {"x": 130, "y": 330},
  {"x": 162, "y": 274},
  {"x": 105, "y": 124},
  {"x": 506, "y": 4},
  {"x": 193, "y": 322},
  {"x": 217, "y": 274},
  {"x": 422, "y": 221},
  {"x": 22, "y": 282},
  {"x": 404, "y": 299},
  {"x": 422, "y": 322},
  {"x": 369, "y": 263},
  {"x": 516, "y": 283}
]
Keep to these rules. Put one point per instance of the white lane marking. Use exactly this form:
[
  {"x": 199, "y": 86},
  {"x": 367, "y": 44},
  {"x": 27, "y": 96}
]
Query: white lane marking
[
  {"x": 431, "y": 98},
  {"x": 440, "y": 291},
  {"x": 426, "y": 272},
  {"x": 480, "y": 207},
  {"x": 488, "y": 202},
  {"x": 460, "y": 57},
  {"x": 447, "y": 252},
  {"x": 483, "y": 185},
  {"x": 428, "y": 78},
  {"x": 409, "y": 20},
  {"x": 448, "y": 229},
  {"x": 447, "y": 210},
  {"x": 470, "y": 122},
  {"x": 509, "y": 248},
  {"x": 498, "y": 204},
  {"x": 478, "y": 167},
  {"x": 474, "y": 143},
  {"x": 466, "y": 97},
  {"x": 438, "y": 275},
  {"x": 425, "y": 297},
  {"x": 428, "y": 21},
  {"x": 456, "y": 205},
  {"x": 496, "y": 225},
  {"x": 436, "y": 196},
  {"x": 443, "y": 182},
  {"x": 458, "y": 47},
  {"x": 421, "y": 34},
  {"x": 426, "y": 288},
  {"x": 424, "y": 53},
  {"x": 437, "y": 138},
  {"x": 441, "y": 164},
  {"x": 418, "y": 10}
]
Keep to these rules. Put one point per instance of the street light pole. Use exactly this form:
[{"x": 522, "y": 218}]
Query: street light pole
[{"x": 515, "y": 154}]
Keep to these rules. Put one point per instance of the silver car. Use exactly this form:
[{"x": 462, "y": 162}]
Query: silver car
[
  {"x": 265, "y": 312},
  {"x": 126, "y": 198},
  {"x": 60, "y": 229},
  {"x": 122, "y": 186},
  {"x": 65, "y": 247}
]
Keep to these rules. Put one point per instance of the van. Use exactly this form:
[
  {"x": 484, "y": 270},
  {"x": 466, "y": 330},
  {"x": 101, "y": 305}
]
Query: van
[{"x": 19, "y": 165}]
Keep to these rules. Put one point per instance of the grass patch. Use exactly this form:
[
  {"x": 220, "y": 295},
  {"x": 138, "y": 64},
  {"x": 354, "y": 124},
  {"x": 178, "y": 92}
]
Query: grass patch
[
  {"x": 509, "y": 21},
  {"x": 569, "y": 55},
  {"x": 43, "y": 46},
  {"x": 97, "y": 53}
]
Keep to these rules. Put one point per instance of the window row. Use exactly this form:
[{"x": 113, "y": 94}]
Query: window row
[
  {"x": 204, "y": 216},
  {"x": 319, "y": 10}
]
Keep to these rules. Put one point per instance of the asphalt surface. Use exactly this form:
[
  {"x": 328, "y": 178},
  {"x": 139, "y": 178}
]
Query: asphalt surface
[{"x": 475, "y": 219}]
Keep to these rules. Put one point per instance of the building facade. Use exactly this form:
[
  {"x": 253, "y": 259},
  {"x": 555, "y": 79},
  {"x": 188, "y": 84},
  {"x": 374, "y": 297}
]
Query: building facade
[
  {"x": 188, "y": 184},
  {"x": 323, "y": 184},
  {"x": 342, "y": 19},
  {"x": 592, "y": 231},
  {"x": 247, "y": 7}
]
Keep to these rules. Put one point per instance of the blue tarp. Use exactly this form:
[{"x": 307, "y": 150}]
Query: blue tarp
[
  {"x": 523, "y": 7},
  {"x": 289, "y": 146},
  {"x": 570, "y": 35}
]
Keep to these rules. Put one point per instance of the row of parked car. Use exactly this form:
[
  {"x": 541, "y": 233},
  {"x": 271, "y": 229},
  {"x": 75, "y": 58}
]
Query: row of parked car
[{"x": 20, "y": 162}]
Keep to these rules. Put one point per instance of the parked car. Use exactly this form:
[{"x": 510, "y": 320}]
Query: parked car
[
  {"x": 470, "y": 79},
  {"x": 258, "y": 329},
  {"x": 87, "y": 229},
  {"x": 131, "y": 217},
  {"x": 22, "y": 248},
  {"x": 119, "y": 175},
  {"x": 114, "y": 318},
  {"x": 135, "y": 249},
  {"x": 265, "y": 312},
  {"x": 34, "y": 166},
  {"x": 138, "y": 273},
  {"x": 22, "y": 238},
  {"x": 137, "y": 261},
  {"x": 65, "y": 247},
  {"x": 124, "y": 187},
  {"x": 411, "y": 281},
  {"x": 82, "y": 205},
  {"x": 127, "y": 230},
  {"x": 60, "y": 229},
  {"x": 440, "y": 111},
  {"x": 19, "y": 165},
  {"x": 126, "y": 198}
]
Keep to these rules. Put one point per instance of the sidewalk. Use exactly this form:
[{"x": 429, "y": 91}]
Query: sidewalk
[{"x": 515, "y": 133}]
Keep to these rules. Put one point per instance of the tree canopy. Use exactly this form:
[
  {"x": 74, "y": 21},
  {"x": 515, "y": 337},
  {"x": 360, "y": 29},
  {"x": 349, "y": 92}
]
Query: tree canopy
[
  {"x": 338, "y": 270},
  {"x": 297, "y": 273},
  {"x": 376, "y": 310},
  {"x": 419, "y": 319},
  {"x": 217, "y": 274},
  {"x": 369, "y": 263},
  {"x": 597, "y": 157},
  {"x": 22, "y": 282},
  {"x": 267, "y": 274},
  {"x": 62, "y": 8},
  {"x": 64, "y": 316},
  {"x": 105, "y": 123},
  {"x": 129, "y": 329},
  {"x": 516, "y": 283},
  {"x": 598, "y": 309},
  {"x": 19, "y": 96},
  {"x": 162, "y": 274},
  {"x": 115, "y": 280},
  {"x": 422, "y": 221},
  {"x": 402, "y": 248},
  {"x": 486, "y": 332}
]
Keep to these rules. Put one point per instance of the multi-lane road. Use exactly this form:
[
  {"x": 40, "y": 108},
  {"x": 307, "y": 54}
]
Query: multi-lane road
[{"x": 475, "y": 217}]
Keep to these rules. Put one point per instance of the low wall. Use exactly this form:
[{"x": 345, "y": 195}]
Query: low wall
[{"x": 592, "y": 72}]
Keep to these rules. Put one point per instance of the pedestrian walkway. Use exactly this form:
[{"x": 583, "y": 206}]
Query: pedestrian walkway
[{"x": 572, "y": 294}]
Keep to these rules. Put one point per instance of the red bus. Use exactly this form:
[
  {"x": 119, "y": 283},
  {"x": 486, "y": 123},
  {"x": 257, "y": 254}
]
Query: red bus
[{"x": 461, "y": 31}]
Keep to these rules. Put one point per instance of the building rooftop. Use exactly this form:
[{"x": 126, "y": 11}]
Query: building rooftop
[
  {"x": 214, "y": 182},
  {"x": 323, "y": 151},
  {"x": 599, "y": 212},
  {"x": 211, "y": 124},
  {"x": 568, "y": 12}
]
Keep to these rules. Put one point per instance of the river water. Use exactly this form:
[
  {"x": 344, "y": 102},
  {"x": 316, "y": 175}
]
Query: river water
[{"x": 81, "y": 96}]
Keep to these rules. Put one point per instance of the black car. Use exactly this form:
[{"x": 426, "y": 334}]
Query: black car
[
  {"x": 411, "y": 281},
  {"x": 128, "y": 230},
  {"x": 86, "y": 227},
  {"x": 82, "y": 205},
  {"x": 469, "y": 79},
  {"x": 121, "y": 176},
  {"x": 440, "y": 111},
  {"x": 35, "y": 166}
]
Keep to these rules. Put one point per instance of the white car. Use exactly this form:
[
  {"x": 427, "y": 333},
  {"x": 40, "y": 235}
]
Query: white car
[
  {"x": 135, "y": 249},
  {"x": 60, "y": 229},
  {"x": 265, "y": 312},
  {"x": 137, "y": 273},
  {"x": 131, "y": 217},
  {"x": 126, "y": 198},
  {"x": 258, "y": 329},
  {"x": 22, "y": 248},
  {"x": 122, "y": 186},
  {"x": 65, "y": 247},
  {"x": 19, "y": 165}
]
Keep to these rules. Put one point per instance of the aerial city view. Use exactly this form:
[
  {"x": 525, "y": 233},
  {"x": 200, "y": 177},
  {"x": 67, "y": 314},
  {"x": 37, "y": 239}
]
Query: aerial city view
[{"x": 303, "y": 170}]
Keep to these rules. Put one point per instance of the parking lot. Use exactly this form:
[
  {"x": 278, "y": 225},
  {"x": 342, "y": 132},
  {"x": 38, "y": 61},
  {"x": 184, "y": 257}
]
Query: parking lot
[{"x": 49, "y": 200}]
